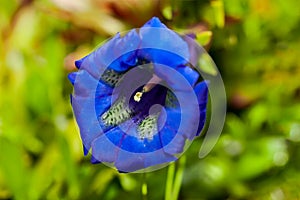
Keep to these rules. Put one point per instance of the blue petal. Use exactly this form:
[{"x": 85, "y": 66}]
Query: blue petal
[
  {"x": 119, "y": 53},
  {"x": 162, "y": 45},
  {"x": 129, "y": 162},
  {"x": 194, "y": 50},
  {"x": 90, "y": 65},
  {"x": 173, "y": 141},
  {"x": 104, "y": 150},
  {"x": 90, "y": 99},
  {"x": 85, "y": 84},
  {"x": 103, "y": 90},
  {"x": 72, "y": 77},
  {"x": 182, "y": 79},
  {"x": 104, "y": 98},
  {"x": 202, "y": 122},
  {"x": 190, "y": 114},
  {"x": 176, "y": 146},
  {"x": 102, "y": 104},
  {"x": 172, "y": 144},
  {"x": 71, "y": 99},
  {"x": 130, "y": 142},
  {"x": 185, "y": 94},
  {"x": 154, "y": 22},
  {"x": 158, "y": 157},
  {"x": 190, "y": 75},
  {"x": 127, "y": 47},
  {"x": 162, "y": 56},
  {"x": 86, "y": 119},
  {"x": 136, "y": 145},
  {"x": 109, "y": 148},
  {"x": 96, "y": 62},
  {"x": 79, "y": 62},
  {"x": 85, "y": 150},
  {"x": 201, "y": 91},
  {"x": 94, "y": 160}
]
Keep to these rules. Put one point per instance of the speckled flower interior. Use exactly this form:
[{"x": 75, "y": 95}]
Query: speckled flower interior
[{"x": 138, "y": 99}]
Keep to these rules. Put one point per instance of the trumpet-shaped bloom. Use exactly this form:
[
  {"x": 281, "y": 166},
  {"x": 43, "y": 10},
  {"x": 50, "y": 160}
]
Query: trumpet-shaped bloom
[{"x": 137, "y": 99}]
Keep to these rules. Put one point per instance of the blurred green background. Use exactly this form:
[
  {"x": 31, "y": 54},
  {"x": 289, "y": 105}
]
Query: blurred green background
[{"x": 255, "y": 45}]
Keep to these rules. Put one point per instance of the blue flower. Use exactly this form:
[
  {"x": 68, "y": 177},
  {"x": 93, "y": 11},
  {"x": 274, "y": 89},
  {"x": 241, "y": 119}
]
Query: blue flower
[{"x": 137, "y": 100}]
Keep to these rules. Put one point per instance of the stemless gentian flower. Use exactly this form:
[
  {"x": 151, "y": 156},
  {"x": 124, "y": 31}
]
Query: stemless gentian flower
[{"x": 138, "y": 99}]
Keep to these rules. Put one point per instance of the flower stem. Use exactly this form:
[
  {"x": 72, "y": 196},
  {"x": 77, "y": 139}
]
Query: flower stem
[
  {"x": 179, "y": 177},
  {"x": 173, "y": 184},
  {"x": 144, "y": 187},
  {"x": 169, "y": 183}
]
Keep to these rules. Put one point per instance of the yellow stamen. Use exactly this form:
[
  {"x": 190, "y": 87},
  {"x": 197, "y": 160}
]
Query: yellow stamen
[
  {"x": 153, "y": 81},
  {"x": 137, "y": 97}
]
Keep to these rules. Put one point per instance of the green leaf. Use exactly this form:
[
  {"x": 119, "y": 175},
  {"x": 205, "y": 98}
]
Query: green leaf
[
  {"x": 207, "y": 65},
  {"x": 218, "y": 11},
  {"x": 43, "y": 172},
  {"x": 167, "y": 12},
  {"x": 204, "y": 37},
  {"x": 127, "y": 182},
  {"x": 261, "y": 156},
  {"x": 12, "y": 165}
]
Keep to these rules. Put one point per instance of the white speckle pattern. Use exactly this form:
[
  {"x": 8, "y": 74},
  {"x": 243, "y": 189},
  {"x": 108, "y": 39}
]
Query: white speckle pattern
[
  {"x": 111, "y": 77},
  {"x": 171, "y": 100},
  {"x": 148, "y": 127},
  {"x": 117, "y": 114}
]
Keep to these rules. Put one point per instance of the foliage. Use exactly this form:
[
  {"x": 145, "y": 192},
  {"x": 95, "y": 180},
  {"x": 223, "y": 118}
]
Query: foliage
[{"x": 255, "y": 45}]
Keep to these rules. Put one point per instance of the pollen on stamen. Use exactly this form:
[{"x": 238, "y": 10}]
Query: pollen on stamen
[{"x": 137, "y": 97}]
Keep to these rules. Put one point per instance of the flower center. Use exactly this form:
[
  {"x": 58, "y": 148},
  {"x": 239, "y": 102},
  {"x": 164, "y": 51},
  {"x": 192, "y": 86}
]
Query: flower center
[
  {"x": 140, "y": 110},
  {"x": 151, "y": 83}
]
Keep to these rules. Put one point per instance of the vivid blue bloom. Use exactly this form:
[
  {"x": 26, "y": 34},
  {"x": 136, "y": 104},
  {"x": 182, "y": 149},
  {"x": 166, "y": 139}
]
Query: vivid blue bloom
[{"x": 137, "y": 99}]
